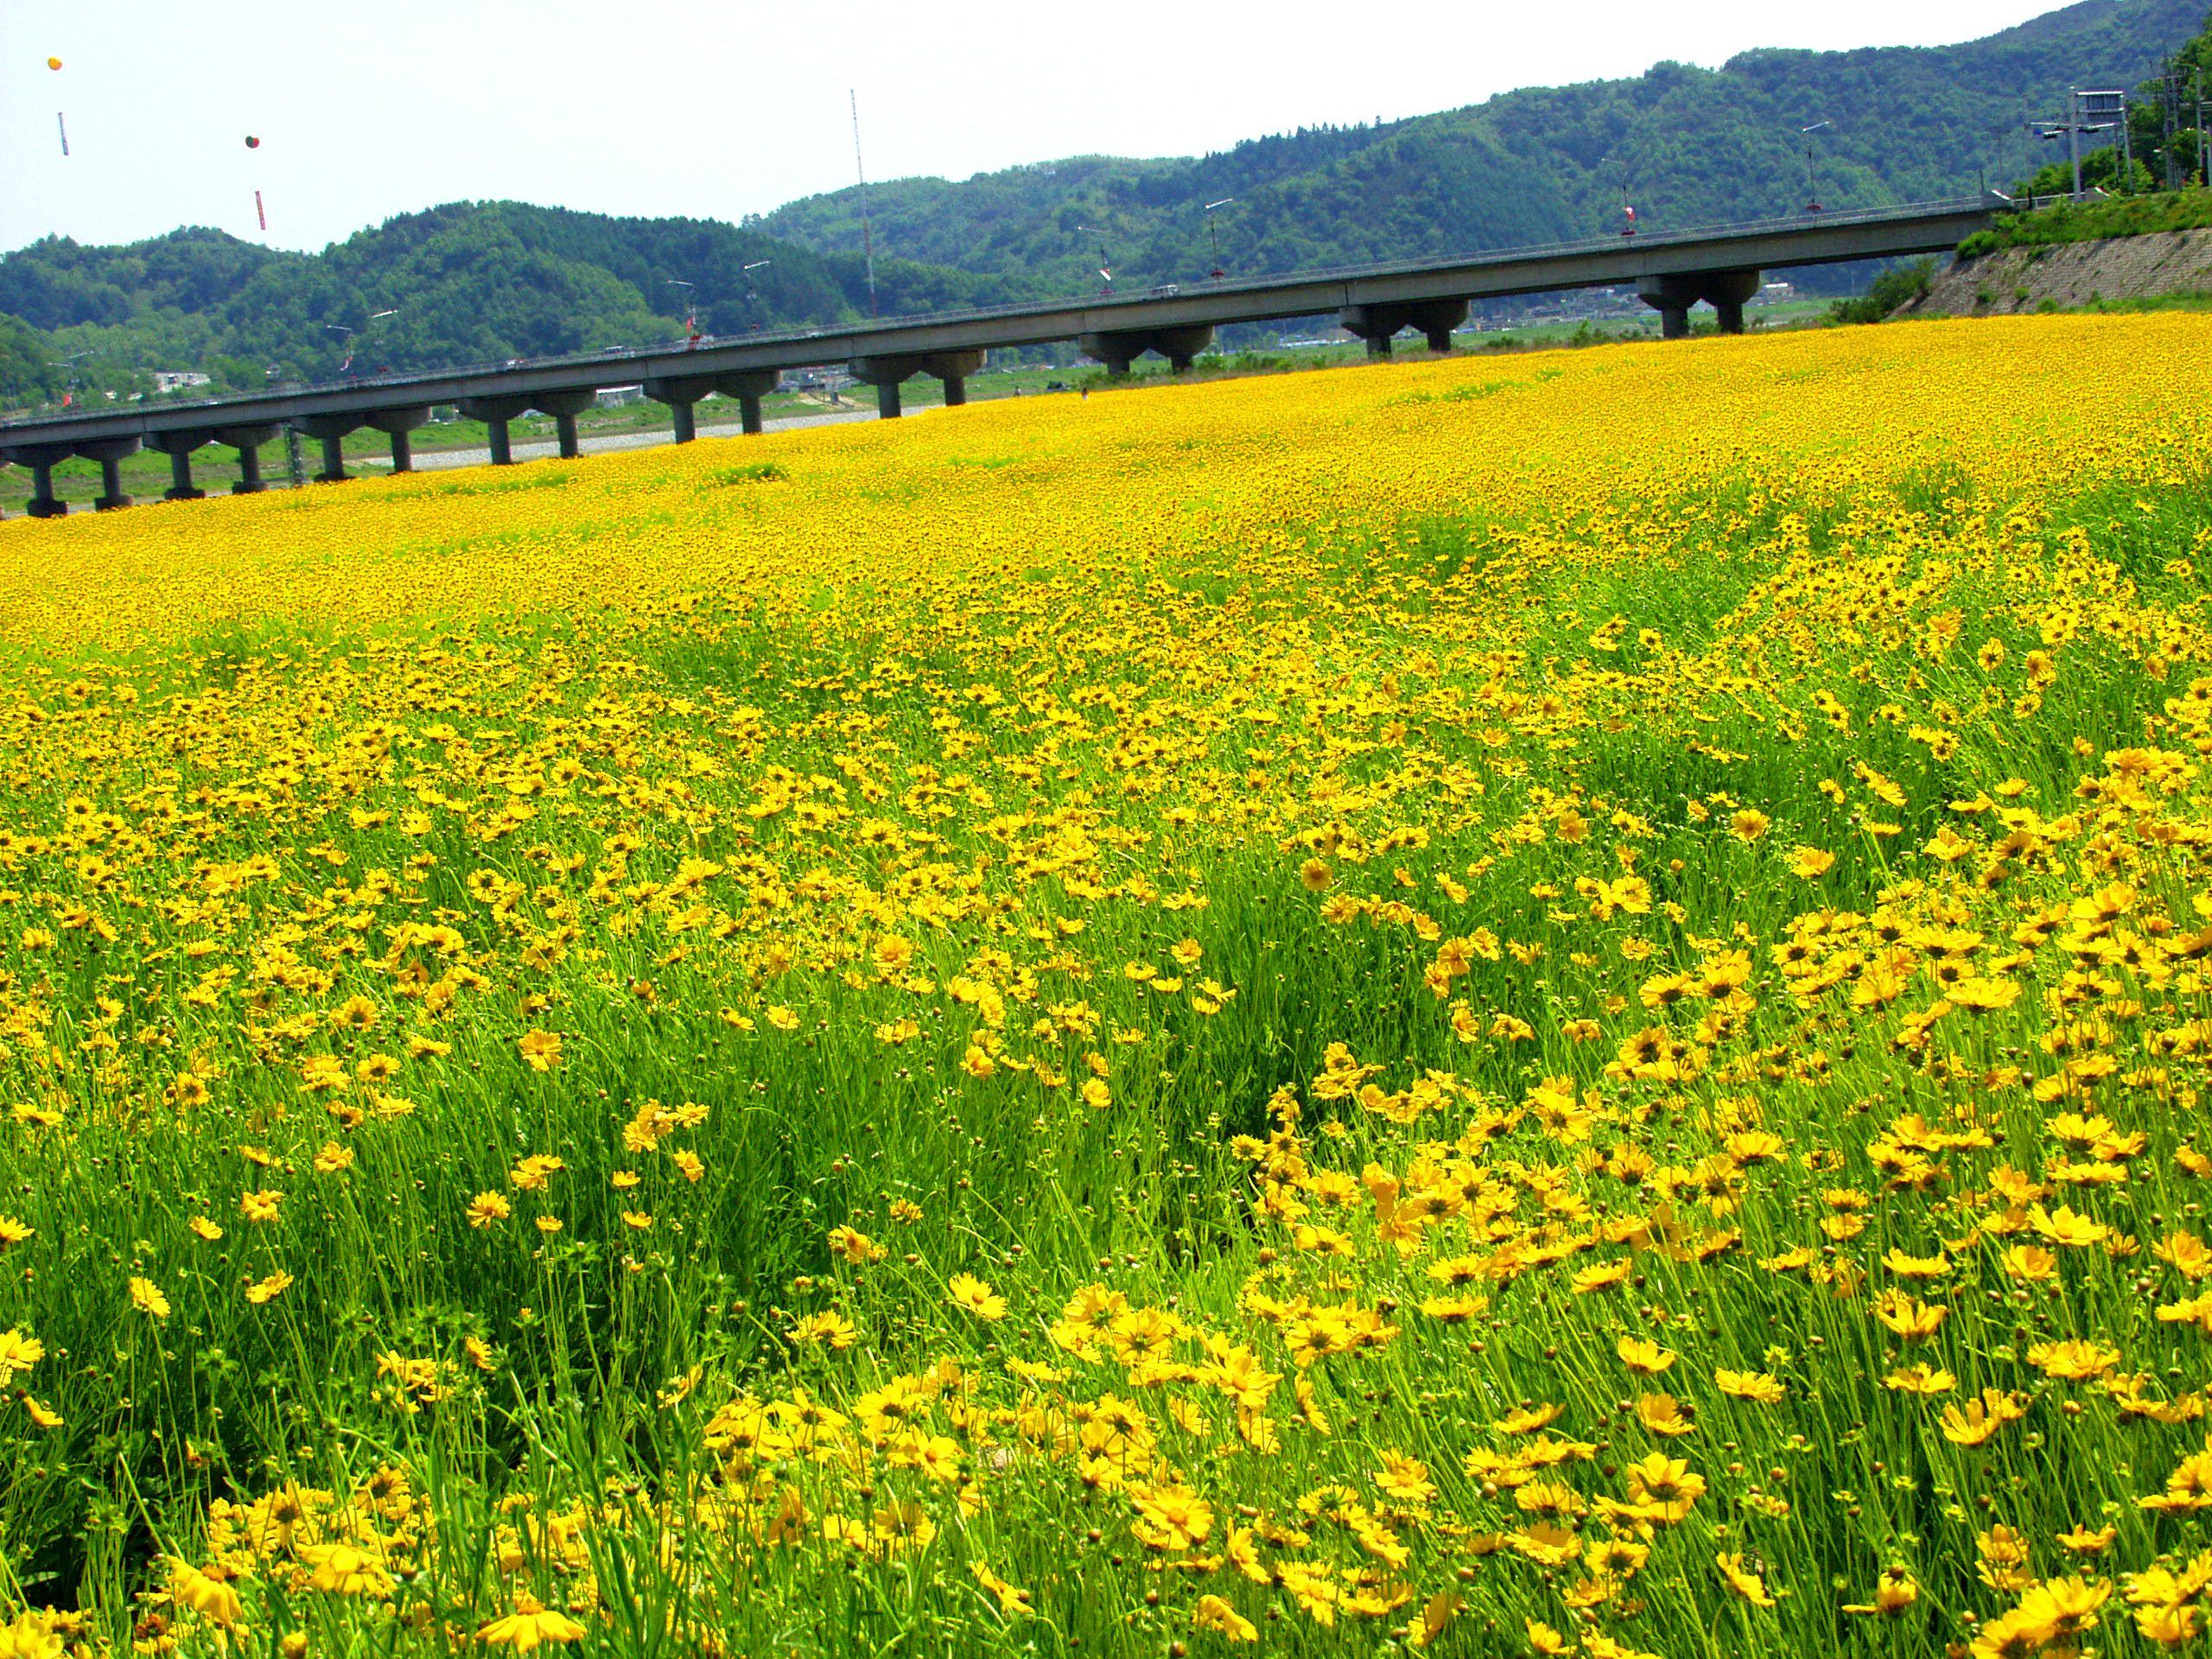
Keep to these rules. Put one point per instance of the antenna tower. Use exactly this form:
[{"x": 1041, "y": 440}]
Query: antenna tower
[{"x": 867, "y": 236}]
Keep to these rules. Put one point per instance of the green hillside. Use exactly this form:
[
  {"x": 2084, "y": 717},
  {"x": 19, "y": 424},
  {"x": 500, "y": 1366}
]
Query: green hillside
[
  {"x": 1697, "y": 146},
  {"x": 471, "y": 281}
]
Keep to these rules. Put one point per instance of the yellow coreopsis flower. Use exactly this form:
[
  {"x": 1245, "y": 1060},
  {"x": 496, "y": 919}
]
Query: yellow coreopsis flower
[
  {"x": 1895, "y": 1592},
  {"x": 1642, "y": 1355},
  {"x": 1743, "y": 1580},
  {"x": 528, "y": 1626},
  {"x": 1811, "y": 862},
  {"x": 976, "y": 1297},
  {"x": 1212, "y": 1613},
  {"x": 210, "y": 1597},
  {"x": 1751, "y": 1385},
  {"x": 18, "y": 1352}
]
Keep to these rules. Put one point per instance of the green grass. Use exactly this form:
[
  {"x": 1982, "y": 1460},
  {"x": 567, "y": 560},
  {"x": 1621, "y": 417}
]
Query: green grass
[
  {"x": 822, "y": 1125},
  {"x": 2165, "y": 213}
]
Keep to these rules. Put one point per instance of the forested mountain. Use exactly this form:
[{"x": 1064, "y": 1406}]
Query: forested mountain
[
  {"x": 1693, "y": 147},
  {"x": 474, "y": 281},
  {"x": 471, "y": 281}
]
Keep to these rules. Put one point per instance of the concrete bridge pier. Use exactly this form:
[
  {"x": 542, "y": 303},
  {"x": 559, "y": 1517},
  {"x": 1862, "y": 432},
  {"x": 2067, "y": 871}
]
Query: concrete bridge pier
[
  {"x": 43, "y": 504},
  {"x": 884, "y": 373},
  {"x": 1725, "y": 292},
  {"x": 1114, "y": 352},
  {"x": 247, "y": 440},
  {"x": 1181, "y": 346},
  {"x": 110, "y": 452},
  {"x": 565, "y": 407},
  {"x": 397, "y": 423},
  {"x": 1379, "y": 324},
  {"x": 1672, "y": 295},
  {"x": 42, "y": 459},
  {"x": 1119, "y": 348},
  {"x": 748, "y": 388},
  {"x": 331, "y": 429},
  {"x": 680, "y": 393},
  {"x": 953, "y": 368},
  {"x": 178, "y": 446},
  {"x": 495, "y": 413}
]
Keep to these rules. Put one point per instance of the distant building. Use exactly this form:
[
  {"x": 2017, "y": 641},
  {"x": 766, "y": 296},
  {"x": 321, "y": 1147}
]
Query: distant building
[
  {"x": 615, "y": 396},
  {"x": 178, "y": 380}
]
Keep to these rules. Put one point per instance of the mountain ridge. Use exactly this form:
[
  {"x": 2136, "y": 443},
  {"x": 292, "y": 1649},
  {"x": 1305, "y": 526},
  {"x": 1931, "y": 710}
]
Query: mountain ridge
[
  {"x": 486, "y": 281},
  {"x": 1700, "y": 147}
]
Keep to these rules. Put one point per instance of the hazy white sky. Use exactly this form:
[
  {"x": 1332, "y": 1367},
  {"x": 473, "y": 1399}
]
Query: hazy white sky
[{"x": 718, "y": 110}]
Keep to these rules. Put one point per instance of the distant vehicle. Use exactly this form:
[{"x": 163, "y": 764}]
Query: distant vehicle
[{"x": 1168, "y": 288}]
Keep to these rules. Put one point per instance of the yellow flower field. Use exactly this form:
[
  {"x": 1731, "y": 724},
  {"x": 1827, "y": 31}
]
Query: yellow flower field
[{"x": 1548, "y": 1006}]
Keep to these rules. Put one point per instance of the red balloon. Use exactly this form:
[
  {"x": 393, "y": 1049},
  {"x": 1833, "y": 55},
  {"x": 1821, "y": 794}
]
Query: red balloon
[{"x": 253, "y": 143}]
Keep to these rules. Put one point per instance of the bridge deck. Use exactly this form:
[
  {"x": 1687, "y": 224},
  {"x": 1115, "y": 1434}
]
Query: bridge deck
[{"x": 1600, "y": 262}]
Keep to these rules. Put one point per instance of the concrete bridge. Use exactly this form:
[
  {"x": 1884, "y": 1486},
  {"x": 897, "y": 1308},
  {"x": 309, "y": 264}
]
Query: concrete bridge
[{"x": 1671, "y": 270}]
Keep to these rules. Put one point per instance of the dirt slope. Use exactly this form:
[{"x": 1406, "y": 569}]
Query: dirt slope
[{"x": 2071, "y": 273}]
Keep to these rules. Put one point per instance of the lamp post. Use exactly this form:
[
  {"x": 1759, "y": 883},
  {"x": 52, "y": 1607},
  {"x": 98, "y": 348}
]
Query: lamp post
[
  {"x": 752, "y": 292},
  {"x": 1628, "y": 213},
  {"x": 1214, "y": 225},
  {"x": 691, "y": 311},
  {"x": 355, "y": 336},
  {"x": 67, "y": 365},
  {"x": 1105, "y": 265},
  {"x": 1812, "y": 194},
  {"x": 376, "y": 317}
]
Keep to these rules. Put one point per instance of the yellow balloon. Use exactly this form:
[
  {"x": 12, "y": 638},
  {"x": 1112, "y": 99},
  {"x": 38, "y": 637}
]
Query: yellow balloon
[{"x": 53, "y": 63}]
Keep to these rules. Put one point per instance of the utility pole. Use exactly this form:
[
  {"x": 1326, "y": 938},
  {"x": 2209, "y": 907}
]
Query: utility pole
[
  {"x": 867, "y": 236},
  {"x": 2073, "y": 134},
  {"x": 2170, "y": 119},
  {"x": 2166, "y": 117}
]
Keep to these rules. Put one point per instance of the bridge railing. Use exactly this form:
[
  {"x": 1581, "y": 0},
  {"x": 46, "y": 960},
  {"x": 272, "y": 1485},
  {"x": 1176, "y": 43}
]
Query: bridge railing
[{"x": 670, "y": 355}]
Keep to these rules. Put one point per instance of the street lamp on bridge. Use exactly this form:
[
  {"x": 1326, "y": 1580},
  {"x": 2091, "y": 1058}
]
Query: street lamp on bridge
[
  {"x": 1628, "y": 213},
  {"x": 355, "y": 336},
  {"x": 1812, "y": 194},
  {"x": 1214, "y": 225},
  {"x": 690, "y": 310},
  {"x": 68, "y": 367},
  {"x": 752, "y": 292},
  {"x": 1105, "y": 265}
]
